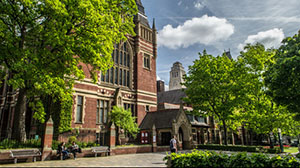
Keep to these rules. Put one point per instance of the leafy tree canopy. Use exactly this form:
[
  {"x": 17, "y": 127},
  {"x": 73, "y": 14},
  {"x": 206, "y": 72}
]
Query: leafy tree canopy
[
  {"x": 123, "y": 119},
  {"x": 282, "y": 78},
  {"x": 215, "y": 86},
  {"x": 45, "y": 44},
  {"x": 260, "y": 113}
]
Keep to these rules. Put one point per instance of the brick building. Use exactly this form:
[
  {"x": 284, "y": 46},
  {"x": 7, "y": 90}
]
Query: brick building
[{"x": 131, "y": 83}]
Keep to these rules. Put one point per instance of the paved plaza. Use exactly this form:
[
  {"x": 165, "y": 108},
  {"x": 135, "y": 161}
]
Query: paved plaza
[{"x": 130, "y": 160}]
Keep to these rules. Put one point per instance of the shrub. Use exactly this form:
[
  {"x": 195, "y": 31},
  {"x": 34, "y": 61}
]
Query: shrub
[
  {"x": 69, "y": 144},
  {"x": 298, "y": 155},
  {"x": 55, "y": 144},
  {"x": 72, "y": 139},
  {"x": 212, "y": 159},
  {"x": 239, "y": 148},
  {"x": 12, "y": 144},
  {"x": 231, "y": 148}
]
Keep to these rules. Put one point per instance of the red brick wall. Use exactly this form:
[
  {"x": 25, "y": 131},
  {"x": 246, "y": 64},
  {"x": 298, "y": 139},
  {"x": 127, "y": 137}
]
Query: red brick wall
[
  {"x": 146, "y": 79},
  {"x": 163, "y": 148},
  {"x": 141, "y": 113},
  {"x": 132, "y": 150}
]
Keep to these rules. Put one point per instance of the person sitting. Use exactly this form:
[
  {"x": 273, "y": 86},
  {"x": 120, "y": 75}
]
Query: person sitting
[
  {"x": 75, "y": 149},
  {"x": 63, "y": 150}
]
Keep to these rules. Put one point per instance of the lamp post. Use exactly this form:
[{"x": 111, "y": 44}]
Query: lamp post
[{"x": 280, "y": 139}]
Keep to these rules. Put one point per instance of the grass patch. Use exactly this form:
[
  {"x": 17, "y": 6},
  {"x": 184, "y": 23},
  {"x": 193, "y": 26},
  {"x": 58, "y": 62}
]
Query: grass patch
[{"x": 291, "y": 149}]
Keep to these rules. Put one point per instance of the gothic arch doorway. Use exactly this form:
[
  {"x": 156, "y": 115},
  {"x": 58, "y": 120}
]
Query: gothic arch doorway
[{"x": 183, "y": 137}]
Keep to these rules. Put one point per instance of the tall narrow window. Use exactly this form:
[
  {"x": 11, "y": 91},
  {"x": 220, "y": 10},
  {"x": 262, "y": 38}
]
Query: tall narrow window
[
  {"x": 116, "y": 75},
  {"x": 125, "y": 59},
  {"x": 117, "y": 57},
  {"x": 107, "y": 76},
  {"x": 105, "y": 111},
  {"x": 102, "y": 110},
  {"x": 147, "y": 61},
  {"x": 111, "y": 76},
  {"x": 124, "y": 78},
  {"x": 128, "y": 79},
  {"x": 98, "y": 112},
  {"x": 121, "y": 58},
  {"x": 128, "y": 59},
  {"x": 102, "y": 77},
  {"x": 120, "y": 79},
  {"x": 79, "y": 109},
  {"x": 113, "y": 55}
]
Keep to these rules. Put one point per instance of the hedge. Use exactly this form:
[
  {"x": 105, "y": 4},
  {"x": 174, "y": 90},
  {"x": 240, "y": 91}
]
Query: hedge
[
  {"x": 55, "y": 144},
  {"x": 239, "y": 148},
  {"x": 212, "y": 159},
  {"x": 13, "y": 144}
]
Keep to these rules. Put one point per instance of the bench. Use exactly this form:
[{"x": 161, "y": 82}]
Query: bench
[
  {"x": 25, "y": 153},
  {"x": 100, "y": 149}
]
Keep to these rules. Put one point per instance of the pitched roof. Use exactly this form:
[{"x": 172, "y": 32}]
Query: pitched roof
[
  {"x": 162, "y": 106},
  {"x": 172, "y": 96},
  {"x": 140, "y": 6},
  {"x": 141, "y": 16},
  {"x": 161, "y": 119}
]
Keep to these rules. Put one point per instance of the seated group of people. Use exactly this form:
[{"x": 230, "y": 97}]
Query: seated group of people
[{"x": 62, "y": 149}]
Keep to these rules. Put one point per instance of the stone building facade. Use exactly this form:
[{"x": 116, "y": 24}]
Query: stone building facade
[{"x": 176, "y": 76}]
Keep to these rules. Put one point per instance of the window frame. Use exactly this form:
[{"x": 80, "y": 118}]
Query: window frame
[
  {"x": 102, "y": 111},
  {"x": 79, "y": 106},
  {"x": 147, "y": 61}
]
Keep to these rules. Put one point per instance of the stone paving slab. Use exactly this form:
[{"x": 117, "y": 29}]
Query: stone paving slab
[{"x": 130, "y": 160}]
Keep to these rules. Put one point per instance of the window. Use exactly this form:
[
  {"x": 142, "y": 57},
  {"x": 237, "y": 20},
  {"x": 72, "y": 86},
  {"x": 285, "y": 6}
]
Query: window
[
  {"x": 106, "y": 76},
  {"x": 124, "y": 78},
  {"x": 147, "y": 108},
  {"x": 111, "y": 77},
  {"x": 128, "y": 78},
  {"x": 146, "y": 61},
  {"x": 79, "y": 109},
  {"x": 120, "y": 79},
  {"x": 102, "y": 110},
  {"x": 101, "y": 139},
  {"x": 116, "y": 75},
  {"x": 119, "y": 75},
  {"x": 131, "y": 107}
]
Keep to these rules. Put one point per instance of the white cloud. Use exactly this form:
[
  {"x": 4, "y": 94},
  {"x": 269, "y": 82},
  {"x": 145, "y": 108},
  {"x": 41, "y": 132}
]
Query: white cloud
[
  {"x": 270, "y": 38},
  {"x": 204, "y": 30},
  {"x": 179, "y": 3},
  {"x": 198, "y": 5}
]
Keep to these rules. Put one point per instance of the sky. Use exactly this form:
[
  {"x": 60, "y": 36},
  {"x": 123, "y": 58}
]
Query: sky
[{"x": 187, "y": 27}]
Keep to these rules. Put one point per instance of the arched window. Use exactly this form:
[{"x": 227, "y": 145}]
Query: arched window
[{"x": 120, "y": 73}]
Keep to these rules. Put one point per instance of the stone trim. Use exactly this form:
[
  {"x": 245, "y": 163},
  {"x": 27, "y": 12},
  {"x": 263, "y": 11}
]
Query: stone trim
[{"x": 142, "y": 92}]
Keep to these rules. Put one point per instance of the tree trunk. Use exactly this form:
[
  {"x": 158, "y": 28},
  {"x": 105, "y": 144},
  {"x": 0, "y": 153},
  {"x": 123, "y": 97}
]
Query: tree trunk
[
  {"x": 271, "y": 141},
  {"x": 19, "y": 132},
  {"x": 225, "y": 133},
  {"x": 233, "y": 139}
]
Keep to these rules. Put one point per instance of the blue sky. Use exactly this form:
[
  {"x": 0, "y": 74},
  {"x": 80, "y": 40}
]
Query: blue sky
[{"x": 186, "y": 27}]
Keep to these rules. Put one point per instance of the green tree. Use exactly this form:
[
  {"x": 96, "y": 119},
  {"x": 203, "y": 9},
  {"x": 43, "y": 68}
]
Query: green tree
[
  {"x": 282, "y": 78},
  {"x": 123, "y": 119},
  {"x": 214, "y": 87},
  {"x": 259, "y": 112},
  {"x": 45, "y": 43}
]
